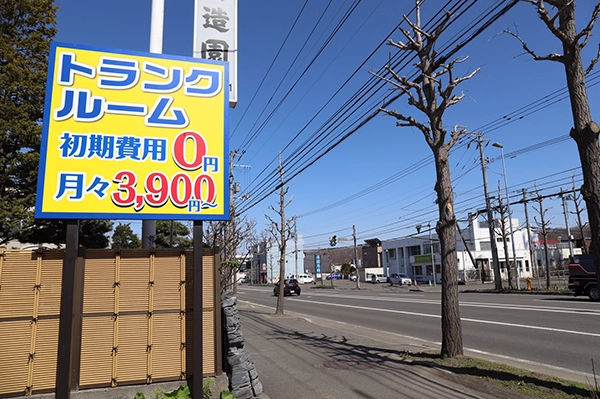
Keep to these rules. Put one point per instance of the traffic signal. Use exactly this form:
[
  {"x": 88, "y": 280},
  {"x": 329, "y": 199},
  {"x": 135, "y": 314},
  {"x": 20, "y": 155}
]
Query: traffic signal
[{"x": 333, "y": 241}]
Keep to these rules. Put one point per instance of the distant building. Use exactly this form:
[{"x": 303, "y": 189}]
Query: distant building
[
  {"x": 371, "y": 254},
  {"x": 417, "y": 255},
  {"x": 265, "y": 260},
  {"x": 17, "y": 245}
]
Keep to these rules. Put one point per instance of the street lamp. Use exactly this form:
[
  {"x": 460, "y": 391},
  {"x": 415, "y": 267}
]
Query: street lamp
[{"x": 512, "y": 234}]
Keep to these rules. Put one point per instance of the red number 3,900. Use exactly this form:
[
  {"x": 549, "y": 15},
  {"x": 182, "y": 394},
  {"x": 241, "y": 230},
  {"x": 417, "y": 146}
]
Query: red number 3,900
[{"x": 158, "y": 189}]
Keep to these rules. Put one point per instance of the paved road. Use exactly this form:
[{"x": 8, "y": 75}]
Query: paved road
[{"x": 556, "y": 333}]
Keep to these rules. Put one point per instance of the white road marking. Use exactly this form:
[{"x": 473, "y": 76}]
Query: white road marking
[
  {"x": 411, "y": 299},
  {"x": 499, "y": 323},
  {"x": 588, "y": 376}
]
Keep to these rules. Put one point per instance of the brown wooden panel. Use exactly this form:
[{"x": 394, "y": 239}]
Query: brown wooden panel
[
  {"x": 166, "y": 348},
  {"x": 99, "y": 281},
  {"x": 134, "y": 280},
  {"x": 208, "y": 288},
  {"x": 96, "y": 351},
  {"x": 51, "y": 282},
  {"x": 18, "y": 281},
  {"x": 133, "y": 360},
  {"x": 208, "y": 349},
  {"x": 166, "y": 280},
  {"x": 15, "y": 339},
  {"x": 208, "y": 338},
  {"x": 46, "y": 351}
]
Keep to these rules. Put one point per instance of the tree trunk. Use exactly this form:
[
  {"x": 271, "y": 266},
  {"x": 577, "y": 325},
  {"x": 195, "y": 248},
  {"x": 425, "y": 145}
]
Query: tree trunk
[
  {"x": 446, "y": 229},
  {"x": 547, "y": 260},
  {"x": 506, "y": 262},
  {"x": 585, "y": 130}
]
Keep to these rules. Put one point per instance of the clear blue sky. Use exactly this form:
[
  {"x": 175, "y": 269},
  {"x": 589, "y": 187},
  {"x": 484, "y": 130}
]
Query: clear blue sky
[{"x": 378, "y": 166}]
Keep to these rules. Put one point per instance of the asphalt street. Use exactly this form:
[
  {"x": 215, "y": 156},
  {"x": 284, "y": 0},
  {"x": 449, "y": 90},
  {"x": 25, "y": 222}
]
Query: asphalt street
[{"x": 554, "y": 334}]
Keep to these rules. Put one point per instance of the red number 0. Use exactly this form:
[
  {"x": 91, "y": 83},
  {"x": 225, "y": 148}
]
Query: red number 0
[
  {"x": 178, "y": 200},
  {"x": 179, "y": 150},
  {"x": 210, "y": 189}
]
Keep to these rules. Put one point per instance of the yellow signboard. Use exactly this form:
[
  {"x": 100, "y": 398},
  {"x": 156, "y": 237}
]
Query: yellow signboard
[{"x": 131, "y": 135}]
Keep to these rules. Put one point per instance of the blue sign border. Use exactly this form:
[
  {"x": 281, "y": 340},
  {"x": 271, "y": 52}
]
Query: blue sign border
[{"x": 39, "y": 214}]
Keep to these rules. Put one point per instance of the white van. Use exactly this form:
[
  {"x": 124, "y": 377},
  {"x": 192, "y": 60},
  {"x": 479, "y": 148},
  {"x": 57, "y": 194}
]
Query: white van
[{"x": 305, "y": 278}]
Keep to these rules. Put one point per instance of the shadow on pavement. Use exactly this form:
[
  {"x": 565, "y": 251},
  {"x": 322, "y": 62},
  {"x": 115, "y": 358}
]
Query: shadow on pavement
[
  {"x": 345, "y": 361},
  {"x": 366, "y": 368}
]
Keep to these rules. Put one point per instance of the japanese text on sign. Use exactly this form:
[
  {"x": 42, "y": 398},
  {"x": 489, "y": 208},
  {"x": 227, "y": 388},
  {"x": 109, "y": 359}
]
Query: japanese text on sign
[
  {"x": 132, "y": 135},
  {"x": 215, "y": 36}
]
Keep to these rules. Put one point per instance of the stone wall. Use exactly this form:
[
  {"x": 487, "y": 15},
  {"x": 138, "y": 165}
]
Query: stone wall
[{"x": 243, "y": 377}]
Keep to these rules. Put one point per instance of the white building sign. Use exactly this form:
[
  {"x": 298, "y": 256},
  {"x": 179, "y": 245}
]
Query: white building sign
[{"x": 215, "y": 36}]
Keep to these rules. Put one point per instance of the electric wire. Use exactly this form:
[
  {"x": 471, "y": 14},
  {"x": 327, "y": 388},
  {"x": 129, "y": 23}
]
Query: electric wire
[{"x": 329, "y": 148}]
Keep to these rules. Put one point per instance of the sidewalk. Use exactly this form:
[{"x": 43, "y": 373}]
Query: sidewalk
[{"x": 299, "y": 358}]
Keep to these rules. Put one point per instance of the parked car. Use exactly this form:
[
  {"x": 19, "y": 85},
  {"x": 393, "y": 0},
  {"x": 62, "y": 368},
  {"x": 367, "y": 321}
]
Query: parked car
[
  {"x": 352, "y": 277},
  {"x": 400, "y": 279},
  {"x": 305, "y": 279},
  {"x": 379, "y": 278},
  {"x": 290, "y": 286},
  {"x": 334, "y": 276}
]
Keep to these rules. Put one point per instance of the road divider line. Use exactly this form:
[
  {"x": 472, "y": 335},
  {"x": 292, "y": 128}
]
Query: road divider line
[
  {"x": 499, "y": 323},
  {"x": 587, "y": 376},
  {"x": 551, "y": 309}
]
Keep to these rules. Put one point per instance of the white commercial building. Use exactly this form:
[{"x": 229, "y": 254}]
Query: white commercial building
[{"x": 414, "y": 256}]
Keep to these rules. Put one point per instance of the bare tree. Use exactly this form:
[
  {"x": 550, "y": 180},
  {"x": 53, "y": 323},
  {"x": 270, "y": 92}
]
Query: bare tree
[
  {"x": 578, "y": 211},
  {"x": 503, "y": 231},
  {"x": 231, "y": 239},
  {"x": 429, "y": 94},
  {"x": 281, "y": 231},
  {"x": 543, "y": 226},
  {"x": 585, "y": 131}
]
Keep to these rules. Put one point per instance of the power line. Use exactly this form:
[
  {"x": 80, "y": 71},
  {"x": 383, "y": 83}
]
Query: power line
[{"x": 268, "y": 189}]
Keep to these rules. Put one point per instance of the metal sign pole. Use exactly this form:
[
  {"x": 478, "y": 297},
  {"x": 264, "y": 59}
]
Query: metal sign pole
[{"x": 65, "y": 327}]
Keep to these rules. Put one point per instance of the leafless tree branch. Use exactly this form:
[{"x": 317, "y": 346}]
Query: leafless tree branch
[
  {"x": 586, "y": 32},
  {"x": 549, "y": 21},
  {"x": 457, "y": 131},
  {"x": 410, "y": 121},
  {"x": 405, "y": 86},
  {"x": 549, "y": 57},
  {"x": 593, "y": 61}
]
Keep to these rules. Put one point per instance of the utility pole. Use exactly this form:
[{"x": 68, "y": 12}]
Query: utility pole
[
  {"x": 544, "y": 227},
  {"x": 156, "y": 46},
  {"x": 579, "y": 222},
  {"x": 490, "y": 217},
  {"x": 512, "y": 231},
  {"x": 532, "y": 256},
  {"x": 356, "y": 258},
  {"x": 432, "y": 256},
  {"x": 296, "y": 246},
  {"x": 564, "y": 203},
  {"x": 271, "y": 264}
]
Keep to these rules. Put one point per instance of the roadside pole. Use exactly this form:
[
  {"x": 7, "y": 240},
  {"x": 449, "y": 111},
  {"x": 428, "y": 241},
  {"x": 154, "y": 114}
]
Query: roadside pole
[
  {"x": 531, "y": 251},
  {"x": 490, "y": 217},
  {"x": 356, "y": 258},
  {"x": 156, "y": 46}
]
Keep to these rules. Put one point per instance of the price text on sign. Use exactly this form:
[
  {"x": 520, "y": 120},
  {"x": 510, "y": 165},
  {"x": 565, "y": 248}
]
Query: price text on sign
[{"x": 133, "y": 136}]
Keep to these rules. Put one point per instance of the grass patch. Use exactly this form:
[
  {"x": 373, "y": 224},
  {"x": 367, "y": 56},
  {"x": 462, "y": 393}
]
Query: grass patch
[
  {"x": 325, "y": 286},
  {"x": 518, "y": 380}
]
